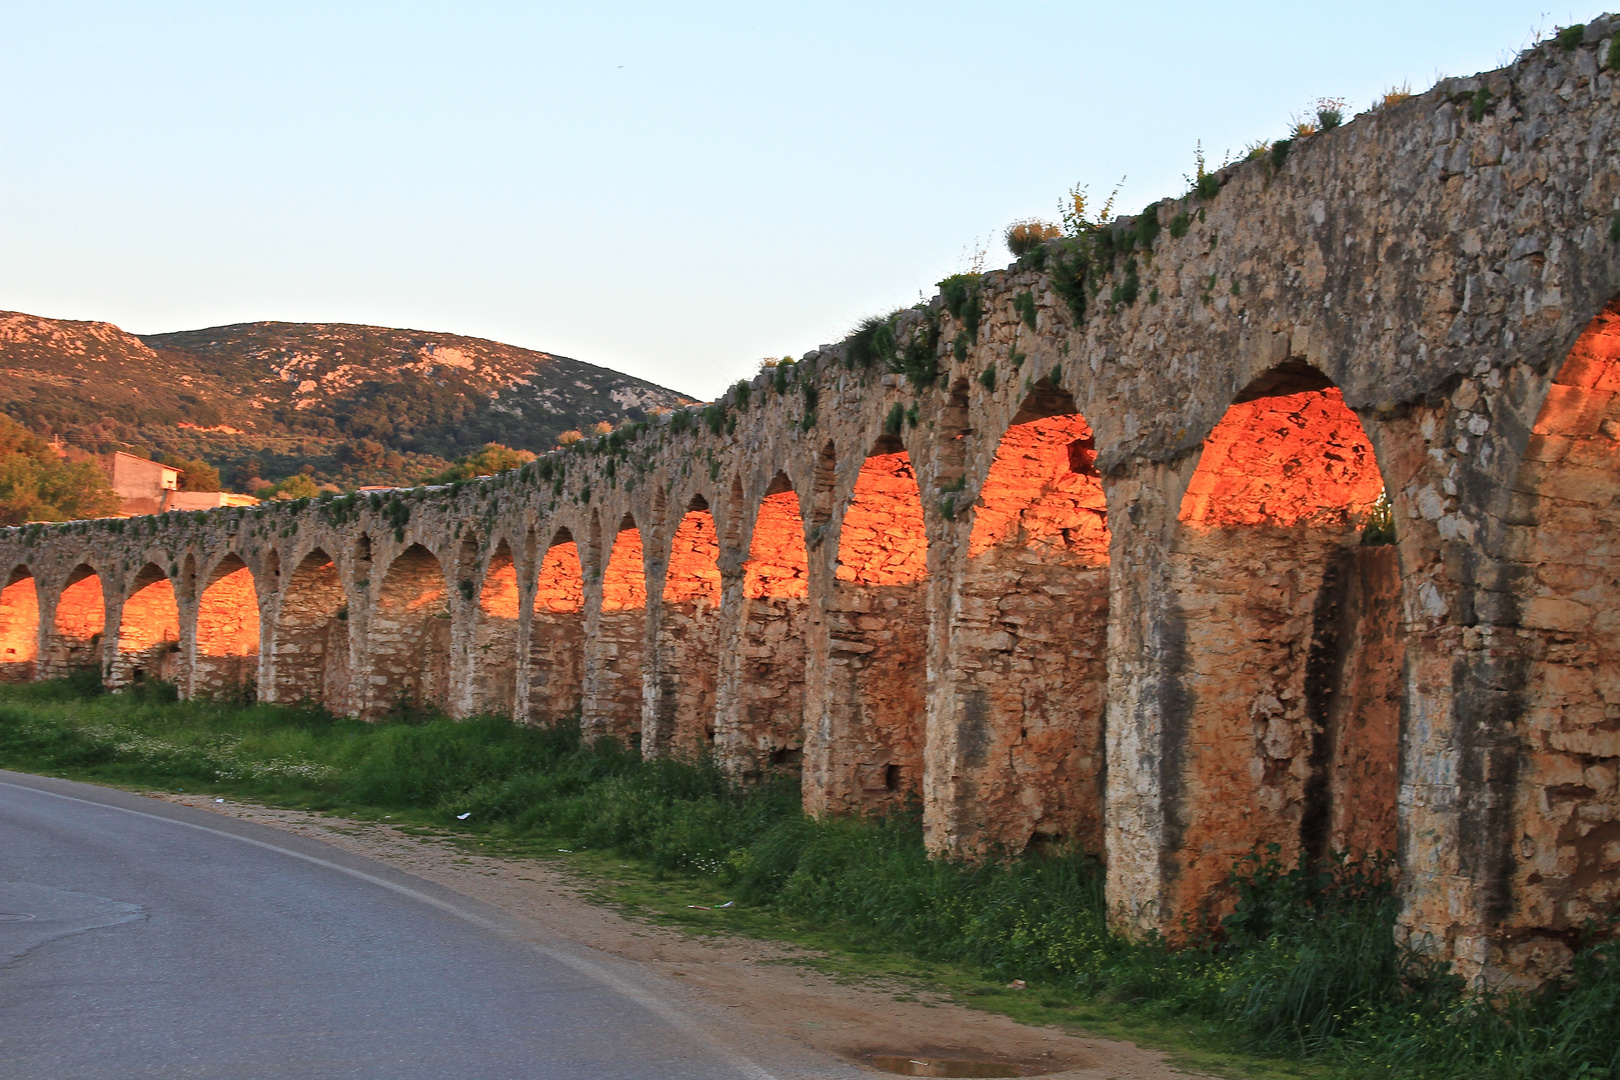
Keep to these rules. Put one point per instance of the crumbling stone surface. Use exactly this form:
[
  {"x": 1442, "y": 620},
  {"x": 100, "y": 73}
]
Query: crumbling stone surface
[{"x": 1099, "y": 578}]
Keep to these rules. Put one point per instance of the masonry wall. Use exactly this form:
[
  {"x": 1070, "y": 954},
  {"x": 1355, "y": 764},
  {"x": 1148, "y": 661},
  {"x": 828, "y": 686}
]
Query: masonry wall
[{"x": 1008, "y": 567}]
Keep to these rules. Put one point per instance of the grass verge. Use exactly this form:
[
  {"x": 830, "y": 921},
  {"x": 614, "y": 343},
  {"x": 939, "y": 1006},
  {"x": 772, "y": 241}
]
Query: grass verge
[{"x": 1305, "y": 979}]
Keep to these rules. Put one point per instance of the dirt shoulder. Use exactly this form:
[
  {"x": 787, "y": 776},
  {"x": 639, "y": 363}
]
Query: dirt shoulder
[{"x": 755, "y": 981}]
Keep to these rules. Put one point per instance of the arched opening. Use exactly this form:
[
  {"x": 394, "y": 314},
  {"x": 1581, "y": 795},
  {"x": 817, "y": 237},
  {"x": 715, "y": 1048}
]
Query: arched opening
[
  {"x": 148, "y": 631},
  {"x": 877, "y": 639},
  {"x": 688, "y": 666},
  {"x": 1028, "y": 641},
  {"x": 557, "y": 636},
  {"x": 1560, "y": 841},
  {"x": 227, "y": 633},
  {"x": 1290, "y": 657},
  {"x": 495, "y": 636},
  {"x": 616, "y": 703},
  {"x": 776, "y": 600},
  {"x": 410, "y": 637},
  {"x": 312, "y": 661},
  {"x": 19, "y": 627},
  {"x": 78, "y": 626}
]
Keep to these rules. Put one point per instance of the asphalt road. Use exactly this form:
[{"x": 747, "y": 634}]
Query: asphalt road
[{"x": 142, "y": 939}]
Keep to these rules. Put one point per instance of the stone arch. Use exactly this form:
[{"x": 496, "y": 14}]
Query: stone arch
[
  {"x": 78, "y": 624},
  {"x": 409, "y": 637},
  {"x": 1290, "y": 656},
  {"x": 312, "y": 655},
  {"x": 616, "y": 706},
  {"x": 495, "y": 636},
  {"x": 1027, "y": 646},
  {"x": 148, "y": 631},
  {"x": 877, "y": 626},
  {"x": 19, "y": 627},
  {"x": 686, "y": 674},
  {"x": 776, "y": 605},
  {"x": 227, "y": 632},
  {"x": 557, "y": 633},
  {"x": 1550, "y": 851}
]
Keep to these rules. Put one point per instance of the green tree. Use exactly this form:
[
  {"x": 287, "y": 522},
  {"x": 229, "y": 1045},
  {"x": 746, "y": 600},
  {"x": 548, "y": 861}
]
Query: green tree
[
  {"x": 38, "y": 485},
  {"x": 297, "y": 486},
  {"x": 492, "y": 459},
  {"x": 195, "y": 474}
]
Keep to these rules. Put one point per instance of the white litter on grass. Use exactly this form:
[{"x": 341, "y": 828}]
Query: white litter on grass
[
  {"x": 728, "y": 903},
  {"x": 219, "y": 800},
  {"x": 566, "y": 851},
  {"x": 464, "y": 817}
]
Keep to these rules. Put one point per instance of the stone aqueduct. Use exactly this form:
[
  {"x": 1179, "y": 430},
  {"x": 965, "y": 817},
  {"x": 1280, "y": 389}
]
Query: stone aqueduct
[{"x": 1106, "y": 580}]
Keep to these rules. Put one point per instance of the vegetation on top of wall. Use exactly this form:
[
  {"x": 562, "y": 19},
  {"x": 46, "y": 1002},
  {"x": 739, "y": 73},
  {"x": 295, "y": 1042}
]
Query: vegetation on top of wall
[
  {"x": 1028, "y": 235},
  {"x": 918, "y": 360},
  {"x": 960, "y": 292},
  {"x": 873, "y": 337},
  {"x": 779, "y": 377},
  {"x": 1068, "y": 267},
  {"x": 1329, "y": 113}
]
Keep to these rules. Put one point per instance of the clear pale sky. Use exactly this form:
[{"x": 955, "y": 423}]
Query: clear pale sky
[{"x": 670, "y": 190}]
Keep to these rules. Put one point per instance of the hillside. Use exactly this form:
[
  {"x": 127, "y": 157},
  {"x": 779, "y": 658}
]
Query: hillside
[{"x": 351, "y": 404}]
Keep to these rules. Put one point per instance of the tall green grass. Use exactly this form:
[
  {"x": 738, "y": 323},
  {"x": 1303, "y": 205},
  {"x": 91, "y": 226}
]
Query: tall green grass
[{"x": 1307, "y": 967}]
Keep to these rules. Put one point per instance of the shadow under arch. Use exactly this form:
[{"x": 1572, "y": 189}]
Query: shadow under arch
[
  {"x": 409, "y": 654},
  {"x": 148, "y": 631},
  {"x": 227, "y": 662},
  {"x": 1290, "y": 652},
  {"x": 1028, "y": 643},
  {"x": 495, "y": 634},
  {"x": 78, "y": 624},
  {"x": 312, "y": 654},
  {"x": 19, "y": 627}
]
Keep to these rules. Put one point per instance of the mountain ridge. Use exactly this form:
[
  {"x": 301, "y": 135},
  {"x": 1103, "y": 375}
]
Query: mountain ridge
[{"x": 344, "y": 402}]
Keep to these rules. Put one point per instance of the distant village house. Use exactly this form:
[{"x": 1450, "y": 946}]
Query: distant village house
[{"x": 144, "y": 486}]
